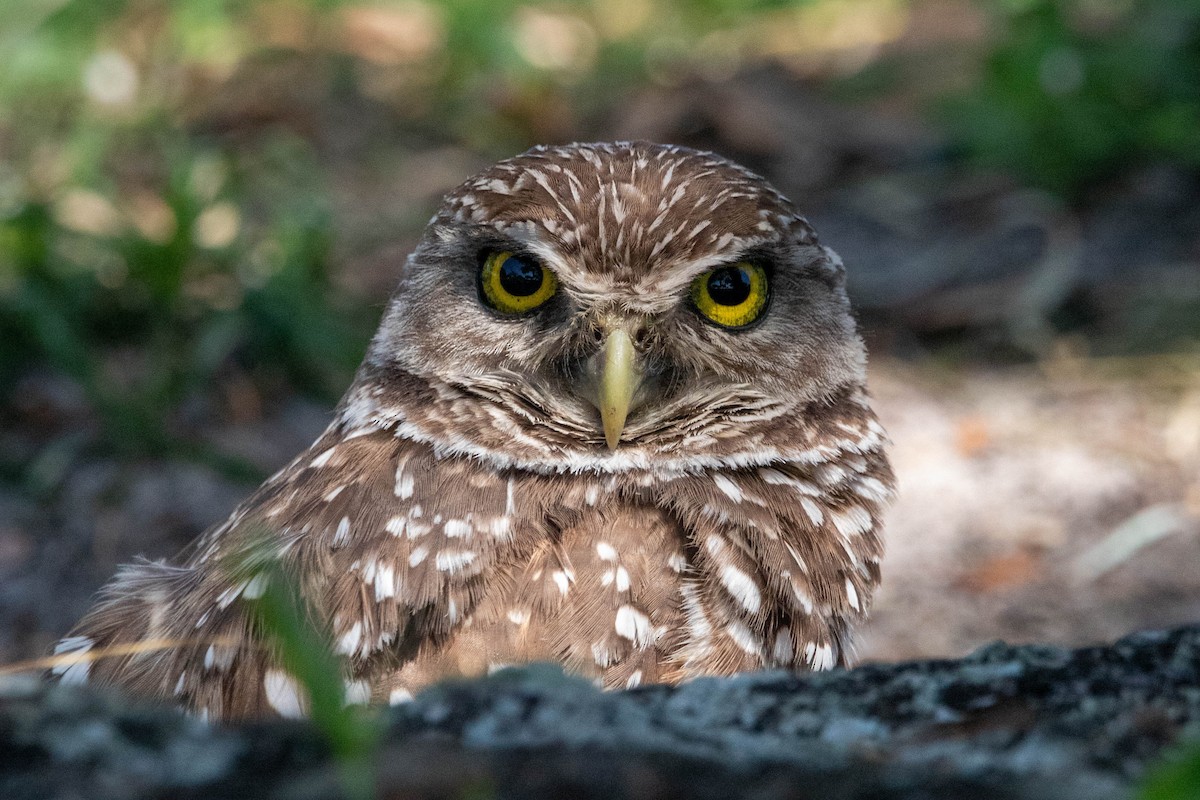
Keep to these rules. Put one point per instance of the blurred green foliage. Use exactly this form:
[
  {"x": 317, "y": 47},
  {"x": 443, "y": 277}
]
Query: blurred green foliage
[
  {"x": 164, "y": 219},
  {"x": 352, "y": 731},
  {"x": 1177, "y": 778},
  {"x": 143, "y": 313},
  {"x": 1077, "y": 91}
]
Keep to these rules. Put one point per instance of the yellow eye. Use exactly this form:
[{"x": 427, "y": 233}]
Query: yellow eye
[
  {"x": 515, "y": 284},
  {"x": 732, "y": 296}
]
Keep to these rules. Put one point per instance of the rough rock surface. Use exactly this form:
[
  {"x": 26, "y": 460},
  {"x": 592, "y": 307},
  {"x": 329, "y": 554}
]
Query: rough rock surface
[{"x": 1006, "y": 722}]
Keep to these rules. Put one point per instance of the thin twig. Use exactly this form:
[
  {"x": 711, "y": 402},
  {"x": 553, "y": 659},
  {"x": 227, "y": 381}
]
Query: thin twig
[{"x": 133, "y": 648}]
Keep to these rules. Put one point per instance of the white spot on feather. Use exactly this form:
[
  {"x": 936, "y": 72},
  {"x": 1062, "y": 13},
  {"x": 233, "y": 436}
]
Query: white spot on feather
[
  {"x": 322, "y": 459},
  {"x": 635, "y": 626},
  {"x": 697, "y": 620},
  {"x": 851, "y": 520},
  {"x": 358, "y": 693},
  {"x": 256, "y": 587},
  {"x": 77, "y": 671},
  {"x": 219, "y": 657},
  {"x": 399, "y": 697},
  {"x": 351, "y": 640},
  {"x": 500, "y": 527},
  {"x": 852, "y": 595},
  {"x": 803, "y": 598},
  {"x": 744, "y": 639},
  {"x": 830, "y": 474},
  {"x": 731, "y": 489},
  {"x": 775, "y": 477},
  {"x": 404, "y": 484},
  {"x": 606, "y": 551},
  {"x": 622, "y": 579},
  {"x": 385, "y": 582},
  {"x": 772, "y": 476},
  {"x": 822, "y": 658},
  {"x": 562, "y": 580},
  {"x": 454, "y": 560},
  {"x": 601, "y": 655},
  {"x": 232, "y": 593},
  {"x": 872, "y": 489},
  {"x": 742, "y": 587},
  {"x": 813, "y": 511},
  {"x": 283, "y": 694}
]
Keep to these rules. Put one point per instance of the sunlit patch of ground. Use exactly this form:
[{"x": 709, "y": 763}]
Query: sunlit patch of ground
[{"x": 1059, "y": 502}]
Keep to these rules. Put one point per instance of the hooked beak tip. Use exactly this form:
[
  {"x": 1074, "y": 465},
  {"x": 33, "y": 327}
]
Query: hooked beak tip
[{"x": 613, "y": 438}]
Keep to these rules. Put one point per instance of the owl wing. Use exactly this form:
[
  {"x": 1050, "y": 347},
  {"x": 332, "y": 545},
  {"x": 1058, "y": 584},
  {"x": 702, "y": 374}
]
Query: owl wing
[
  {"x": 787, "y": 556},
  {"x": 387, "y": 550}
]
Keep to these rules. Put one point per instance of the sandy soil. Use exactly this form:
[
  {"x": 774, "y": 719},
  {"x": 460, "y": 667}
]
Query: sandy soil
[{"x": 1057, "y": 503}]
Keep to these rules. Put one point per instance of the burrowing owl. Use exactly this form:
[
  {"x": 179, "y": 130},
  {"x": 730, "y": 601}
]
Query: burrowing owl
[{"x": 614, "y": 417}]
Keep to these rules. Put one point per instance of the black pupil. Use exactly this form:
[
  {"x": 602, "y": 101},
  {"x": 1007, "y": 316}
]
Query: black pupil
[
  {"x": 729, "y": 286},
  {"x": 520, "y": 277}
]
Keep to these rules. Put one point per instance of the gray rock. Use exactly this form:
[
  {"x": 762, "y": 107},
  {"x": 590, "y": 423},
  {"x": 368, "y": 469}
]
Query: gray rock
[{"x": 1026, "y": 722}]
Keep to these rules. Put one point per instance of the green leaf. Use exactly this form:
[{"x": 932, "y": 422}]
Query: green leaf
[
  {"x": 1178, "y": 778},
  {"x": 304, "y": 647}
]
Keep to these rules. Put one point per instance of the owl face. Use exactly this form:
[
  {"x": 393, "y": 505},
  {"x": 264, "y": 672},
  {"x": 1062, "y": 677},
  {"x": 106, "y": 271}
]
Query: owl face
[{"x": 612, "y": 306}]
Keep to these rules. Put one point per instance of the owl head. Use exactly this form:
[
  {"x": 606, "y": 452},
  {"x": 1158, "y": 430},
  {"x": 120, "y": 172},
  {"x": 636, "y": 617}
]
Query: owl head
[{"x": 612, "y": 307}]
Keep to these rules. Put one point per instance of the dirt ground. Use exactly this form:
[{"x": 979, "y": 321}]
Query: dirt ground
[{"x": 1059, "y": 503}]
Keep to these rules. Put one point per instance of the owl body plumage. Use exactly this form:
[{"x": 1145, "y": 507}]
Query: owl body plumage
[{"x": 464, "y": 512}]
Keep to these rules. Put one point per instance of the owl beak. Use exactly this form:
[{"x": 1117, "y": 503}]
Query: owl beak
[{"x": 619, "y": 378}]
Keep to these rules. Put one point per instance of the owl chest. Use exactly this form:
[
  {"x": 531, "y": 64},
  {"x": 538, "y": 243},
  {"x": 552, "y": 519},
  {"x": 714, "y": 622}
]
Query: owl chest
[
  {"x": 614, "y": 590},
  {"x": 598, "y": 593}
]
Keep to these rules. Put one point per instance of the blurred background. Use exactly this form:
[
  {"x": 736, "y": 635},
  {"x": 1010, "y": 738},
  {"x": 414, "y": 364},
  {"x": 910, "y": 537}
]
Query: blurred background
[{"x": 204, "y": 205}]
